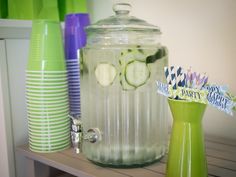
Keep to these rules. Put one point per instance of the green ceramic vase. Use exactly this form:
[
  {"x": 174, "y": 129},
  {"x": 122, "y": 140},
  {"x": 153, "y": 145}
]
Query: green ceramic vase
[{"x": 186, "y": 156}]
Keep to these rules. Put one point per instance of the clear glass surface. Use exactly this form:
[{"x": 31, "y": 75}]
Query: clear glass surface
[
  {"x": 132, "y": 122},
  {"x": 120, "y": 99}
]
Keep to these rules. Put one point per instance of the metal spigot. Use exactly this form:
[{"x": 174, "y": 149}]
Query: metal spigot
[
  {"x": 93, "y": 135},
  {"x": 76, "y": 133}
]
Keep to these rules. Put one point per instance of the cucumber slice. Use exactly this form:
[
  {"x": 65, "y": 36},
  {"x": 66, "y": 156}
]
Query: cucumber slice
[
  {"x": 105, "y": 74},
  {"x": 128, "y": 56},
  {"x": 124, "y": 83},
  {"x": 137, "y": 73}
]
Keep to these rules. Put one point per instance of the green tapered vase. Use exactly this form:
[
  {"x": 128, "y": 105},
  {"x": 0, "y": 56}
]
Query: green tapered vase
[{"x": 186, "y": 156}]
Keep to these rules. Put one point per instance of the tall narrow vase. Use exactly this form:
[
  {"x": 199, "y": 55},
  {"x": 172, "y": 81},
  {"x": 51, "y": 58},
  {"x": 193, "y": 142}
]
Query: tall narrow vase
[{"x": 186, "y": 151}]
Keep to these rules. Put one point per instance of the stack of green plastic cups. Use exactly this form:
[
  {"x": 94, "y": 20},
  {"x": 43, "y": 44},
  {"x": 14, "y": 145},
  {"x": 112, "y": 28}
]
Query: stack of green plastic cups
[{"x": 47, "y": 89}]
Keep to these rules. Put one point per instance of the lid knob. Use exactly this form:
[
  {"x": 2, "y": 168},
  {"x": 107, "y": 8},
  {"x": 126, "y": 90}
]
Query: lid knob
[{"x": 122, "y": 8}]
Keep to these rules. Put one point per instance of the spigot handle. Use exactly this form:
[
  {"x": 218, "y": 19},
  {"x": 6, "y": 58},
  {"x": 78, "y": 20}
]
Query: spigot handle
[{"x": 93, "y": 135}]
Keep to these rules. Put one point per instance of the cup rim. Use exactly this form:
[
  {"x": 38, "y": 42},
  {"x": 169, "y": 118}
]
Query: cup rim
[
  {"x": 75, "y": 106},
  {"x": 48, "y": 112},
  {"x": 58, "y": 129},
  {"x": 43, "y": 101},
  {"x": 47, "y": 91},
  {"x": 75, "y": 64},
  {"x": 57, "y": 133},
  {"x": 74, "y": 87},
  {"x": 45, "y": 83},
  {"x": 74, "y": 95},
  {"x": 42, "y": 120},
  {"x": 48, "y": 105},
  {"x": 74, "y": 80},
  {"x": 29, "y": 76},
  {"x": 54, "y": 121},
  {"x": 49, "y": 127},
  {"x": 55, "y": 115},
  {"x": 46, "y": 87},
  {"x": 48, "y": 140},
  {"x": 46, "y": 98},
  {"x": 74, "y": 99},
  {"x": 73, "y": 72},
  {"x": 47, "y": 149},
  {"x": 52, "y": 94},
  {"x": 48, "y": 109},
  {"x": 51, "y": 132},
  {"x": 46, "y": 143},
  {"x": 68, "y": 65},
  {"x": 72, "y": 60},
  {"x": 73, "y": 69},
  {"x": 48, "y": 79},
  {"x": 49, "y": 136},
  {"x": 73, "y": 77},
  {"x": 47, "y": 72}
]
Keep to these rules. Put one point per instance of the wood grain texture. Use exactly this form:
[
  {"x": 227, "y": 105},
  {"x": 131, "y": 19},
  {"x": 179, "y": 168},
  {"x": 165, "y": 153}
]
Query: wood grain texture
[{"x": 221, "y": 157}]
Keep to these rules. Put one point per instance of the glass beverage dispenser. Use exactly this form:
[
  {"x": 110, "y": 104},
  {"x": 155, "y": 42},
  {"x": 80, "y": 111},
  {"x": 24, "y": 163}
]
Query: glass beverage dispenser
[{"x": 124, "y": 119}]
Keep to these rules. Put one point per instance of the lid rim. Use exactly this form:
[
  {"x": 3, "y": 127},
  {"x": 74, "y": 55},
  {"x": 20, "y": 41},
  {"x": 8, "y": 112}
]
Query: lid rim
[{"x": 122, "y": 29}]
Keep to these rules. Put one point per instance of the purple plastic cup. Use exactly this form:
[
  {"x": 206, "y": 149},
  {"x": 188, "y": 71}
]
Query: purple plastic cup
[
  {"x": 73, "y": 81},
  {"x": 74, "y": 84},
  {"x": 75, "y": 36},
  {"x": 76, "y": 97},
  {"x": 73, "y": 69},
  {"x": 75, "y": 39}
]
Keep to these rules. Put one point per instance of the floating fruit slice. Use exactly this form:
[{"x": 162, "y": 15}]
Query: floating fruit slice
[
  {"x": 105, "y": 74},
  {"x": 137, "y": 73}
]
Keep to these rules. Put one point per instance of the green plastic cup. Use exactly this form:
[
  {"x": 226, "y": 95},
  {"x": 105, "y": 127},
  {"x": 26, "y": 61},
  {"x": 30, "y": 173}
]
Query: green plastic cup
[
  {"x": 49, "y": 148},
  {"x": 46, "y": 80},
  {"x": 50, "y": 137},
  {"x": 46, "y": 47},
  {"x": 60, "y": 132},
  {"x": 186, "y": 156},
  {"x": 49, "y": 131},
  {"x": 44, "y": 65},
  {"x": 45, "y": 109},
  {"x": 46, "y": 95},
  {"x": 46, "y": 120},
  {"x": 57, "y": 141},
  {"x": 48, "y": 127}
]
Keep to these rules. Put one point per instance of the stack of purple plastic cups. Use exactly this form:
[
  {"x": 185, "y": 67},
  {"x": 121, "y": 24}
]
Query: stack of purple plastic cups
[{"x": 75, "y": 39}]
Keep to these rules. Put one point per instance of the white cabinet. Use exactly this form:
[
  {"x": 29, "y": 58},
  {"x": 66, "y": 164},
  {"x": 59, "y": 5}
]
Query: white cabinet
[
  {"x": 7, "y": 167},
  {"x": 14, "y": 47}
]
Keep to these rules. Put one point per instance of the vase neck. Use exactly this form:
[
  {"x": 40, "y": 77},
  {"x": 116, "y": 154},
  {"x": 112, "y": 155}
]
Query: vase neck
[{"x": 184, "y": 111}]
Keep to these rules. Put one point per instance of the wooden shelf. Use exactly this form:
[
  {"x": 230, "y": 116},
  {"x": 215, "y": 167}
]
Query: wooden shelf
[{"x": 221, "y": 157}]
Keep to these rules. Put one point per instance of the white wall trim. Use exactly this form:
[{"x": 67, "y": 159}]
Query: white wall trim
[{"x": 7, "y": 162}]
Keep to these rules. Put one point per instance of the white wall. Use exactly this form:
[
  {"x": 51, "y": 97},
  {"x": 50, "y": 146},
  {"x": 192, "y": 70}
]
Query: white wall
[{"x": 201, "y": 34}]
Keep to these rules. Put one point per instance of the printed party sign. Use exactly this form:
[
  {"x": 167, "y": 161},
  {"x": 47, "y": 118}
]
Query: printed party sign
[{"x": 192, "y": 86}]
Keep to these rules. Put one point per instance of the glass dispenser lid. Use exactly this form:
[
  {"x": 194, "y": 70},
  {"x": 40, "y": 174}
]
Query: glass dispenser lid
[{"x": 122, "y": 21}]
